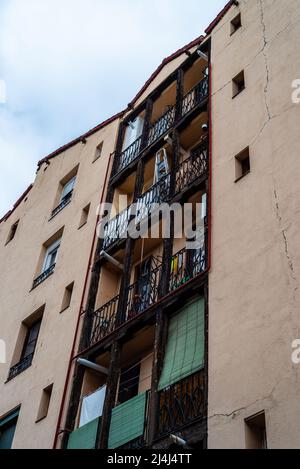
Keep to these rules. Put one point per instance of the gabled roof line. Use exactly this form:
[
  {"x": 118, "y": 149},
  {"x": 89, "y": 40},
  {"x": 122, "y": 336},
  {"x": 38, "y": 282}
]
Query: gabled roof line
[
  {"x": 167, "y": 60},
  {"x": 218, "y": 18},
  {"x": 16, "y": 204}
]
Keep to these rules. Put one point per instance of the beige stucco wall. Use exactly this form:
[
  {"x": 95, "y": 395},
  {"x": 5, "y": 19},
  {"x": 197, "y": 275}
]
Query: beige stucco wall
[
  {"x": 254, "y": 304},
  {"x": 19, "y": 261}
]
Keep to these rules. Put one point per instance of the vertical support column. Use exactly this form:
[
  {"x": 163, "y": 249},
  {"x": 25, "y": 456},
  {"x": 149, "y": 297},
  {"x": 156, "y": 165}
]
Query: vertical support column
[
  {"x": 179, "y": 93},
  {"x": 168, "y": 242},
  {"x": 161, "y": 335},
  {"x": 122, "y": 307},
  {"x": 111, "y": 390},
  {"x": 148, "y": 114},
  {"x": 76, "y": 386},
  {"x": 118, "y": 148}
]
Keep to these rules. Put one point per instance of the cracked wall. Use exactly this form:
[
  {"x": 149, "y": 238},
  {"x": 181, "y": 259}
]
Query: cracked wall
[{"x": 254, "y": 304}]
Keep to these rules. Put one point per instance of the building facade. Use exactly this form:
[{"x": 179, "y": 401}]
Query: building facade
[{"x": 173, "y": 335}]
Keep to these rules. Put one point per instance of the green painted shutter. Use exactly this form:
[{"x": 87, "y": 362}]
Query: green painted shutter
[
  {"x": 84, "y": 437},
  {"x": 185, "y": 346},
  {"x": 127, "y": 421}
]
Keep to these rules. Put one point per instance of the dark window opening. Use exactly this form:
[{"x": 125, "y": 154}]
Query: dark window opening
[
  {"x": 242, "y": 164},
  {"x": 98, "y": 151},
  {"x": 255, "y": 432},
  {"x": 12, "y": 232},
  {"x": 84, "y": 216},
  {"x": 44, "y": 404},
  {"x": 31, "y": 340},
  {"x": 129, "y": 383},
  {"x": 236, "y": 24},
  {"x": 67, "y": 297},
  {"x": 238, "y": 84},
  {"x": 7, "y": 429}
]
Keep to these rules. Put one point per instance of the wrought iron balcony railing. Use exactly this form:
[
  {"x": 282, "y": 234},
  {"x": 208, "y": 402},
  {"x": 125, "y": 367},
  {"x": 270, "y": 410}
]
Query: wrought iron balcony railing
[
  {"x": 129, "y": 154},
  {"x": 116, "y": 228},
  {"x": 192, "y": 168},
  {"x": 145, "y": 292},
  {"x": 104, "y": 320},
  {"x": 156, "y": 130},
  {"x": 188, "y": 172},
  {"x": 41, "y": 278},
  {"x": 181, "y": 404},
  {"x": 157, "y": 194},
  {"x": 64, "y": 202},
  {"x": 162, "y": 125},
  {"x": 194, "y": 96},
  {"x": 20, "y": 367}
]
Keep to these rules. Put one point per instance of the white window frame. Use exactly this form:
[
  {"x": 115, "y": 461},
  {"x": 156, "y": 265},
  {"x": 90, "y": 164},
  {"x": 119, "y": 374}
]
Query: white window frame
[
  {"x": 68, "y": 187},
  {"x": 53, "y": 247}
]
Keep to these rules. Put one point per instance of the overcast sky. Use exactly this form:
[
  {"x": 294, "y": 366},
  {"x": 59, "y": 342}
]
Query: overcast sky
[{"x": 70, "y": 64}]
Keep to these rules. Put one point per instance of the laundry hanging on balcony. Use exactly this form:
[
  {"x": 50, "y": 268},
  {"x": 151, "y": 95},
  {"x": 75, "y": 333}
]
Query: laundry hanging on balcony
[
  {"x": 185, "y": 346},
  {"x": 92, "y": 406}
]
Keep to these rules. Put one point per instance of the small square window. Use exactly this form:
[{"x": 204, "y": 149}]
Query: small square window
[
  {"x": 84, "y": 216},
  {"x": 98, "y": 151},
  {"x": 238, "y": 84},
  {"x": 255, "y": 432},
  {"x": 67, "y": 297},
  {"x": 235, "y": 24},
  {"x": 12, "y": 232},
  {"x": 242, "y": 164},
  {"x": 44, "y": 404}
]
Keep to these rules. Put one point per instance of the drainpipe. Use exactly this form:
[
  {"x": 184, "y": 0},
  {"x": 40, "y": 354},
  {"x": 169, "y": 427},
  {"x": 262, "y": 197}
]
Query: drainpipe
[{"x": 90, "y": 263}]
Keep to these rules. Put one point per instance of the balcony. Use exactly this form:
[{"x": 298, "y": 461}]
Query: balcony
[
  {"x": 163, "y": 125},
  {"x": 145, "y": 293},
  {"x": 181, "y": 404},
  {"x": 188, "y": 172},
  {"x": 41, "y": 278},
  {"x": 64, "y": 202},
  {"x": 20, "y": 367}
]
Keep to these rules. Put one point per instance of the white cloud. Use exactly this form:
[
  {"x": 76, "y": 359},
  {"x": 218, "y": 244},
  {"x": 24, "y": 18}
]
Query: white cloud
[{"x": 69, "y": 64}]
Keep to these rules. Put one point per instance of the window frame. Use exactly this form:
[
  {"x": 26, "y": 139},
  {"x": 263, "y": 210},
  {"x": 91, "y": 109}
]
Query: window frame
[{"x": 54, "y": 247}]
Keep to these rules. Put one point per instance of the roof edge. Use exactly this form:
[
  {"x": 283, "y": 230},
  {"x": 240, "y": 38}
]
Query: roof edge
[
  {"x": 16, "y": 204},
  {"x": 218, "y": 18}
]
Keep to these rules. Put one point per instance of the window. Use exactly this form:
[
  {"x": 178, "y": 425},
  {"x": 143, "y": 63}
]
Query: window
[
  {"x": 238, "y": 84},
  {"x": 44, "y": 404},
  {"x": 129, "y": 383},
  {"x": 51, "y": 256},
  {"x": 84, "y": 215},
  {"x": 8, "y": 425},
  {"x": 242, "y": 164},
  {"x": 98, "y": 151},
  {"x": 68, "y": 189},
  {"x": 26, "y": 343},
  {"x": 48, "y": 258},
  {"x": 67, "y": 297},
  {"x": 65, "y": 191},
  {"x": 133, "y": 131},
  {"x": 255, "y": 432},
  {"x": 31, "y": 340},
  {"x": 12, "y": 232},
  {"x": 235, "y": 24}
]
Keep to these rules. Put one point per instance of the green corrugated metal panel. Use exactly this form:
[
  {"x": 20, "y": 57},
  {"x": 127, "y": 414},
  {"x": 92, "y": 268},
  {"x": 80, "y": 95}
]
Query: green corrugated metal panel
[
  {"x": 84, "y": 437},
  {"x": 127, "y": 421},
  {"x": 185, "y": 347}
]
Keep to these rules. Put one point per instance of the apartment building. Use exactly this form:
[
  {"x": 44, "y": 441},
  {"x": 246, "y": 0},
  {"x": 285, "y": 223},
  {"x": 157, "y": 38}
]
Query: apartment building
[
  {"x": 46, "y": 241},
  {"x": 181, "y": 339}
]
